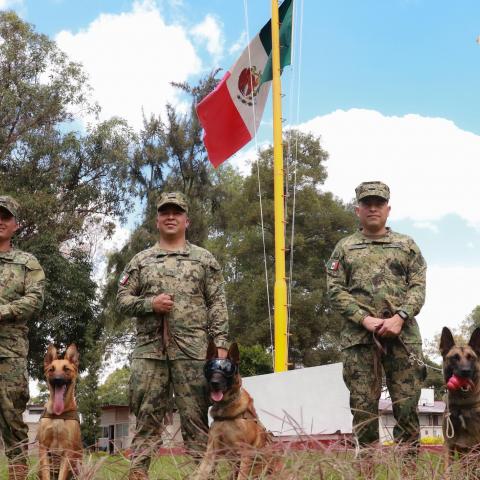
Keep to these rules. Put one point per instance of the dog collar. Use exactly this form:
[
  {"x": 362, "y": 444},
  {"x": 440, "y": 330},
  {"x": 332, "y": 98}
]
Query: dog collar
[{"x": 70, "y": 415}]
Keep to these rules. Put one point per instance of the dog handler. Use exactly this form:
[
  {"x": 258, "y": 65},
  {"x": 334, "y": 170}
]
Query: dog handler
[
  {"x": 376, "y": 281},
  {"x": 175, "y": 291},
  {"x": 22, "y": 284}
]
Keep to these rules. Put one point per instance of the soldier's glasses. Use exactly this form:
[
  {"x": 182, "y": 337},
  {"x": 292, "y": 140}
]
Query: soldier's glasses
[{"x": 220, "y": 365}]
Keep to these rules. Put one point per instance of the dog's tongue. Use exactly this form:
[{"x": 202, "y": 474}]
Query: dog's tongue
[
  {"x": 216, "y": 396},
  {"x": 58, "y": 402}
]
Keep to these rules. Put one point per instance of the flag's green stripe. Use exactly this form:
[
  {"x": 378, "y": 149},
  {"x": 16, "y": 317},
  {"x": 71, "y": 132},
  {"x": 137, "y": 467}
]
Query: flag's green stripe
[{"x": 285, "y": 14}]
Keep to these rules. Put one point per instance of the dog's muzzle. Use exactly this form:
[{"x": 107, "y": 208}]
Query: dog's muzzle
[{"x": 59, "y": 382}]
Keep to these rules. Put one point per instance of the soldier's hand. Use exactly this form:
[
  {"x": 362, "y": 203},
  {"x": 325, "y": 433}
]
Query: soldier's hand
[
  {"x": 372, "y": 324},
  {"x": 391, "y": 327},
  {"x": 162, "y": 303}
]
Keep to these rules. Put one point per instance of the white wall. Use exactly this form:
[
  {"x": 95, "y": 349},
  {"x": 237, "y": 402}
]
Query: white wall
[{"x": 308, "y": 401}]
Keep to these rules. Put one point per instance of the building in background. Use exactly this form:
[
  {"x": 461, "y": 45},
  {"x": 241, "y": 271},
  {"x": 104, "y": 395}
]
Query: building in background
[{"x": 430, "y": 414}]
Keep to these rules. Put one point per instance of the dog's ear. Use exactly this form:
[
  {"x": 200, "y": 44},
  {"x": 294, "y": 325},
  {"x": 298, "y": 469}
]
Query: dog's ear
[
  {"x": 446, "y": 341},
  {"x": 50, "y": 356},
  {"x": 211, "y": 350},
  {"x": 233, "y": 353},
  {"x": 475, "y": 341},
  {"x": 72, "y": 354}
]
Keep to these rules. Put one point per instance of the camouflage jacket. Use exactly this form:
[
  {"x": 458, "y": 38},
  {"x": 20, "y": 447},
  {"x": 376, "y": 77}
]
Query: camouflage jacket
[
  {"x": 376, "y": 277},
  {"x": 22, "y": 284},
  {"x": 194, "y": 277}
]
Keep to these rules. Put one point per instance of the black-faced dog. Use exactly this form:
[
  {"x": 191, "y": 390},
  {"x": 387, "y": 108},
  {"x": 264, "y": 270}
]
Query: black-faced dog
[
  {"x": 461, "y": 370},
  {"x": 236, "y": 431}
]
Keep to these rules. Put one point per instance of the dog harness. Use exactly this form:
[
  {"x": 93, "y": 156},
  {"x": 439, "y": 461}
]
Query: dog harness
[{"x": 70, "y": 415}]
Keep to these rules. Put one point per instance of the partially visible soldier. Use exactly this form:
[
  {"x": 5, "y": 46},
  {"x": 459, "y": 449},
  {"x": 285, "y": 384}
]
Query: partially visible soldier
[
  {"x": 175, "y": 292},
  {"x": 376, "y": 281},
  {"x": 22, "y": 284}
]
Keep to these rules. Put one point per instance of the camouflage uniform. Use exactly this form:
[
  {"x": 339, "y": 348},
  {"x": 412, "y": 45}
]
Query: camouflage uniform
[
  {"x": 22, "y": 283},
  {"x": 161, "y": 358},
  {"x": 379, "y": 277}
]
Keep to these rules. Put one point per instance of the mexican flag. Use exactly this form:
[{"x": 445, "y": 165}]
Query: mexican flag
[{"x": 231, "y": 114}]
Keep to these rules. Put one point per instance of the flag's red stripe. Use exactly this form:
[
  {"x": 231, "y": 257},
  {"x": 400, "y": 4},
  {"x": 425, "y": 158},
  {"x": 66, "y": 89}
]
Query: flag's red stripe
[{"x": 225, "y": 130}]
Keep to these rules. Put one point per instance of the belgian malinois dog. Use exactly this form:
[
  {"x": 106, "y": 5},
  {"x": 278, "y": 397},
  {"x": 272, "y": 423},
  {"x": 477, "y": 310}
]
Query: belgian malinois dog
[
  {"x": 461, "y": 370},
  {"x": 59, "y": 438},
  {"x": 236, "y": 431}
]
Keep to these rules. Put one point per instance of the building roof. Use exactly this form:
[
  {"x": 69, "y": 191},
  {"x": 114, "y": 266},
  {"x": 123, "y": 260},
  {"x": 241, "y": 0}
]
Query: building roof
[
  {"x": 112, "y": 406},
  {"x": 385, "y": 406}
]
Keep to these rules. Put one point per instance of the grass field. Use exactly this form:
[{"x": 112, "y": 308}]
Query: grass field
[{"x": 388, "y": 463}]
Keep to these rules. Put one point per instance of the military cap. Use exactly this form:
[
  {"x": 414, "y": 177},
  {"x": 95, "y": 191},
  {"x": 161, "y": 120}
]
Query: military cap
[
  {"x": 173, "y": 198},
  {"x": 372, "y": 189},
  {"x": 9, "y": 204}
]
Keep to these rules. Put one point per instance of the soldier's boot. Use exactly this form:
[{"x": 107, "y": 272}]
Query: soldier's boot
[
  {"x": 137, "y": 474},
  {"x": 17, "y": 472}
]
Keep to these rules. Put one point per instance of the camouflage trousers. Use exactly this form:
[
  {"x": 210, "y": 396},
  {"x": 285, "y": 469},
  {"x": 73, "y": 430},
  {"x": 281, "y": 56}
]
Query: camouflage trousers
[
  {"x": 150, "y": 391},
  {"x": 404, "y": 383},
  {"x": 13, "y": 402}
]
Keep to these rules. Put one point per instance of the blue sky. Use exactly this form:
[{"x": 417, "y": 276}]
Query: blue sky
[
  {"x": 392, "y": 87},
  {"x": 396, "y": 56}
]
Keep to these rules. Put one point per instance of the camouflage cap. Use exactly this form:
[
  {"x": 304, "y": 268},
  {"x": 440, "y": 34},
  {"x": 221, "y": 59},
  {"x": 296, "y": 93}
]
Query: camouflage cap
[
  {"x": 9, "y": 204},
  {"x": 173, "y": 198},
  {"x": 372, "y": 189}
]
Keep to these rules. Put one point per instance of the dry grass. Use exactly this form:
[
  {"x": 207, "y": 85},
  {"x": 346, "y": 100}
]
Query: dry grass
[{"x": 333, "y": 463}]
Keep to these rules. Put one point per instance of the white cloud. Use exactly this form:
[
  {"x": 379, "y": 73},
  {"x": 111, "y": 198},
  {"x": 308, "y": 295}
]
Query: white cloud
[
  {"x": 104, "y": 247},
  {"x": 431, "y": 165},
  {"x": 209, "y": 32},
  {"x": 131, "y": 59},
  {"x": 240, "y": 44},
  {"x": 452, "y": 293},
  {"x": 426, "y": 226},
  {"x": 245, "y": 158},
  {"x": 6, "y": 4}
]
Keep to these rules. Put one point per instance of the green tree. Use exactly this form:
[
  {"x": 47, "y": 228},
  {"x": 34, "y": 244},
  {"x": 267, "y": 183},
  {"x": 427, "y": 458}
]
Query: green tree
[
  {"x": 70, "y": 313},
  {"x": 320, "y": 221},
  {"x": 43, "y": 394},
  {"x": 470, "y": 323},
  {"x": 68, "y": 183},
  {"x": 40, "y": 87},
  {"x": 434, "y": 378},
  {"x": 255, "y": 360},
  {"x": 114, "y": 391}
]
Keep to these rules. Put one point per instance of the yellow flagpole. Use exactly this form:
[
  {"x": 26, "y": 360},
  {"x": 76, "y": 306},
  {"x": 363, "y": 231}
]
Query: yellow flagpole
[{"x": 280, "y": 291}]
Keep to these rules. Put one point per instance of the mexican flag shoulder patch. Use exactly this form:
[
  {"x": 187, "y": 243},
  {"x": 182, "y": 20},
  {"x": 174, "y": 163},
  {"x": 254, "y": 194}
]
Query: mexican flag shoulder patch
[{"x": 333, "y": 265}]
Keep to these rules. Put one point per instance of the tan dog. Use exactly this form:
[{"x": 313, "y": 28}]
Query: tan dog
[
  {"x": 236, "y": 431},
  {"x": 461, "y": 369},
  {"x": 59, "y": 438}
]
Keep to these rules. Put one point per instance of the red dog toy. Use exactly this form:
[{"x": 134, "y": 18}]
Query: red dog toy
[{"x": 455, "y": 383}]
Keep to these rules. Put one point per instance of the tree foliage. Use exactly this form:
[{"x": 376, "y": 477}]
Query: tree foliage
[
  {"x": 320, "y": 221},
  {"x": 255, "y": 360},
  {"x": 40, "y": 87},
  {"x": 114, "y": 391},
  {"x": 68, "y": 183}
]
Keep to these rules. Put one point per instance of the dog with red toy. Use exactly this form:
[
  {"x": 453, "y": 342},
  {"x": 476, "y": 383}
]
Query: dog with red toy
[{"x": 461, "y": 370}]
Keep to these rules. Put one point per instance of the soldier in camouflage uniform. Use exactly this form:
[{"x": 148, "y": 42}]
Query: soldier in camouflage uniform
[
  {"x": 175, "y": 291},
  {"x": 376, "y": 281},
  {"x": 22, "y": 283}
]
